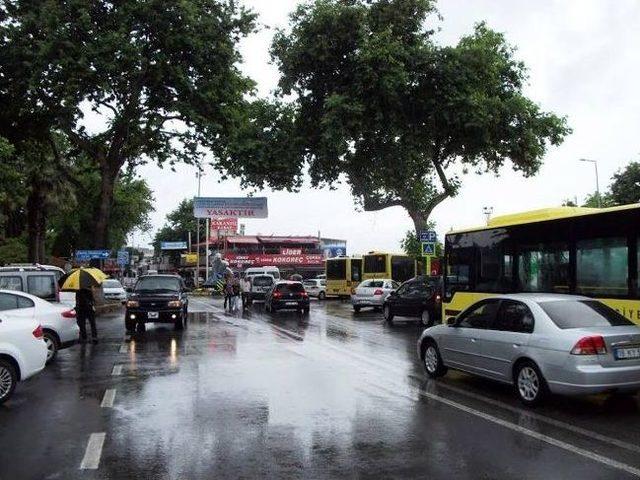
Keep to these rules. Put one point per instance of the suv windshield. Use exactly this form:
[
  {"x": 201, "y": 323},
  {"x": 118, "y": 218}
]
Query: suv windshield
[
  {"x": 158, "y": 284},
  {"x": 583, "y": 313}
]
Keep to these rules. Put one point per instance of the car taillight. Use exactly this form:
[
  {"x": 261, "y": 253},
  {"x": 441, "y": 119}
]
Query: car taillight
[
  {"x": 378, "y": 292},
  {"x": 69, "y": 314},
  {"x": 38, "y": 332},
  {"x": 438, "y": 298},
  {"x": 593, "y": 345},
  {"x": 304, "y": 294},
  {"x": 277, "y": 294}
]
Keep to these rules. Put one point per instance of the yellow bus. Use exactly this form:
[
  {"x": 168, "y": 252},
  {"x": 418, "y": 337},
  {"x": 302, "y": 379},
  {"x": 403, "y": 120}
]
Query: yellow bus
[
  {"x": 388, "y": 265},
  {"x": 583, "y": 251},
  {"x": 343, "y": 274}
]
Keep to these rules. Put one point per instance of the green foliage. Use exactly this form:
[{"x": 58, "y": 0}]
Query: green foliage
[
  {"x": 178, "y": 225},
  {"x": 13, "y": 250},
  {"x": 376, "y": 101},
  {"x": 625, "y": 186},
  {"x": 162, "y": 76}
]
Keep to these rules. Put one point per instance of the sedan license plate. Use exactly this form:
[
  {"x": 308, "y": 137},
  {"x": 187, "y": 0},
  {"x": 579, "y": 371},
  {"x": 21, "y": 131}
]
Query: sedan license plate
[
  {"x": 152, "y": 314},
  {"x": 292, "y": 303},
  {"x": 630, "y": 353}
]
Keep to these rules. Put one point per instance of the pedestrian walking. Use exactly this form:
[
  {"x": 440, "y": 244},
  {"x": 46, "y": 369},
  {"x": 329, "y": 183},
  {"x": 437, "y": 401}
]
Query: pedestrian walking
[
  {"x": 228, "y": 291},
  {"x": 86, "y": 310},
  {"x": 245, "y": 289}
]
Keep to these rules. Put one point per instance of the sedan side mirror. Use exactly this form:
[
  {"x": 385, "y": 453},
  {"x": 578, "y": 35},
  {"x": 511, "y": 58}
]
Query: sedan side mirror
[{"x": 451, "y": 321}]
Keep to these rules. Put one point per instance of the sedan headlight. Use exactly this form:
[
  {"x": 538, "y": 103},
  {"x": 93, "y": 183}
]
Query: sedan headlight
[
  {"x": 175, "y": 304},
  {"x": 133, "y": 304}
]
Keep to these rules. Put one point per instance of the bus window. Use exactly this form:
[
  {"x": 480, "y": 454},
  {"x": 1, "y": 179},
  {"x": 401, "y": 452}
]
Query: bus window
[
  {"x": 459, "y": 264},
  {"x": 544, "y": 268},
  {"x": 337, "y": 269},
  {"x": 602, "y": 266},
  {"x": 402, "y": 268},
  {"x": 356, "y": 270},
  {"x": 375, "y": 264}
]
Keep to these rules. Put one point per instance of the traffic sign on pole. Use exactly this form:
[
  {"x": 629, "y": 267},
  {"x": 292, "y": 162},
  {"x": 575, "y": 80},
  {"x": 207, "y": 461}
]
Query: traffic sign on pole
[
  {"x": 428, "y": 236},
  {"x": 428, "y": 249}
]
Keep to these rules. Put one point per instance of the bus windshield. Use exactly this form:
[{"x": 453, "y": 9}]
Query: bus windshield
[{"x": 336, "y": 269}]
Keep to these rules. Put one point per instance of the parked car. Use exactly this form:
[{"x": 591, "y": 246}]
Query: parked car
[
  {"x": 260, "y": 286},
  {"x": 22, "y": 352},
  {"x": 36, "y": 280},
  {"x": 112, "y": 290},
  {"x": 58, "y": 322},
  {"x": 539, "y": 343},
  {"x": 316, "y": 287},
  {"x": 287, "y": 295},
  {"x": 372, "y": 293},
  {"x": 157, "y": 299},
  {"x": 420, "y": 297}
]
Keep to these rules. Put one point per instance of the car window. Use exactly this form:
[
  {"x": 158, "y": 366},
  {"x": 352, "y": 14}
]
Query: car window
[
  {"x": 395, "y": 285},
  {"x": 262, "y": 281},
  {"x": 290, "y": 287},
  {"x": 43, "y": 286},
  {"x": 514, "y": 317},
  {"x": 111, "y": 284},
  {"x": 8, "y": 302},
  {"x": 415, "y": 290},
  {"x": 365, "y": 284},
  {"x": 24, "y": 302},
  {"x": 376, "y": 284},
  {"x": 481, "y": 315},
  {"x": 11, "y": 283},
  {"x": 402, "y": 289},
  {"x": 309, "y": 283},
  {"x": 583, "y": 313},
  {"x": 323, "y": 283}
]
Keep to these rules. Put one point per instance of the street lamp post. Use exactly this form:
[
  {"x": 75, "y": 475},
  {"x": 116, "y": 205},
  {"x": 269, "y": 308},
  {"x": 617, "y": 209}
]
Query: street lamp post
[
  {"x": 595, "y": 164},
  {"x": 197, "y": 279},
  {"x": 487, "y": 211}
]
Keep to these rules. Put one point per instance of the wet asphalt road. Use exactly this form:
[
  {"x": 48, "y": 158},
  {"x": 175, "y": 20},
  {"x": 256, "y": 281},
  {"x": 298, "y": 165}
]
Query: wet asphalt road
[{"x": 329, "y": 395}]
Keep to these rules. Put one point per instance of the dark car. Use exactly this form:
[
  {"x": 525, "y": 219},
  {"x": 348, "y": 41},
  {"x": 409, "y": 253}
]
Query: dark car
[
  {"x": 419, "y": 297},
  {"x": 287, "y": 296},
  {"x": 157, "y": 298}
]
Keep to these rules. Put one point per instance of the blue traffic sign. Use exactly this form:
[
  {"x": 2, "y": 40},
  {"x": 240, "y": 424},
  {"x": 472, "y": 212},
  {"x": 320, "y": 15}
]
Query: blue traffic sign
[
  {"x": 428, "y": 249},
  {"x": 86, "y": 255},
  {"x": 428, "y": 236},
  {"x": 123, "y": 258}
]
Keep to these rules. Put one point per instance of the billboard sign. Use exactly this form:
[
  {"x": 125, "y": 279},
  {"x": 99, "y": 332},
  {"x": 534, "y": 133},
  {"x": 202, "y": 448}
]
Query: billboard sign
[
  {"x": 227, "y": 207},
  {"x": 86, "y": 255},
  {"x": 279, "y": 260},
  {"x": 123, "y": 258},
  {"x": 173, "y": 245},
  {"x": 332, "y": 251}
]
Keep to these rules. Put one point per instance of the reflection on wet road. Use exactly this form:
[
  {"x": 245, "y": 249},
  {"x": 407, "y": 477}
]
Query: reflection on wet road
[{"x": 328, "y": 395}]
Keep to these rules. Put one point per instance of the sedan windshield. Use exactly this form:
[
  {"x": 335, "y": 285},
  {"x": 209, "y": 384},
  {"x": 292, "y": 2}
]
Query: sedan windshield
[
  {"x": 111, "y": 284},
  {"x": 582, "y": 314},
  {"x": 158, "y": 284}
]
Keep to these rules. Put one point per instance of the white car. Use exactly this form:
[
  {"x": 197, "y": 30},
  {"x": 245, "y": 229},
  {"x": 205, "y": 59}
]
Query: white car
[
  {"x": 22, "y": 352},
  {"x": 372, "y": 293},
  {"x": 58, "y": 322},
  {"x": 112, "y": 290},
  {"x": 316, "y": 287}
]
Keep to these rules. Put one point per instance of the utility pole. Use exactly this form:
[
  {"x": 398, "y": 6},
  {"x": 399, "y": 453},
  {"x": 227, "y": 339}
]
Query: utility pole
[
  {"x": 595, "y": 164},
  {"x": 197, "y": 279},
  {"x": 487, "y": 212}
]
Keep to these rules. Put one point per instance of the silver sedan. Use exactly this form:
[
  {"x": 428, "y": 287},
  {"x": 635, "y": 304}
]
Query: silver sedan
[{"x": 539, "y": 343}]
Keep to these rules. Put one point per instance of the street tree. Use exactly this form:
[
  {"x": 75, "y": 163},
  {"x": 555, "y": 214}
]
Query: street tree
[
  {"x": 625, "y": 186},
  {"x": 378, "y": 102},
  {"x": 125, "y": 82}
]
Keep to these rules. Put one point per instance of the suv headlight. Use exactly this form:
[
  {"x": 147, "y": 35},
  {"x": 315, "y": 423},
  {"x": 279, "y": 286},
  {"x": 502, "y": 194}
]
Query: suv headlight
[
  {"x": 133, "y": 304},
  {"x": 175, "y": 304}
]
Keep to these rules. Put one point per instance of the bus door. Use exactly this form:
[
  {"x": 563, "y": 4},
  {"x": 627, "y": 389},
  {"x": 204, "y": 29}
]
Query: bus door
[{"x": 356, "y": 271}]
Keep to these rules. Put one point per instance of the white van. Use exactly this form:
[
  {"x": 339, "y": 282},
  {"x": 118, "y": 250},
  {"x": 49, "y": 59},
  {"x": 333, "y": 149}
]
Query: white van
[{"x": 253, "y": 271}]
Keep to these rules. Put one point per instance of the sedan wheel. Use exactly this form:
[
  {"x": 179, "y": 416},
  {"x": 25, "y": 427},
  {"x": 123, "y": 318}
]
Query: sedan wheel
[
  {"x": 321, "y": 296},
  {"x": 52, "y": 346},
  {"x": 432, "y": 361},
  {"x": 8, "y": 380},
  {"x": 530, "y": 384}
]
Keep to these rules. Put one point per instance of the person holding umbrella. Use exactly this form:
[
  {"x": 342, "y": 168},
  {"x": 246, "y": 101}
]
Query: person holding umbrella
[{"x": 83, "y": 281}]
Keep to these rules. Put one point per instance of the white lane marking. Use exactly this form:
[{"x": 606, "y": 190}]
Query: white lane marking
[
  {"x": 109, "y": 397},
  {"x": 538, "y": 417},
  {"x": 117, "y": 370},
  {"x": 92, "y": 454}
]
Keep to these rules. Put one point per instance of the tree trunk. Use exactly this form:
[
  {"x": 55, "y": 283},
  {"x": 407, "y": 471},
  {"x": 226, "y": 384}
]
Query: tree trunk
[
  {"x": 100, "y": 232},
  {"x": 36, "y": 223}
]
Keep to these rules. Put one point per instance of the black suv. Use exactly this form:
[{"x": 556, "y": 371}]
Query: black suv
[
  {"x": 419, "y": 297},
  {"x": 287, "y": 296},
  {"x": 157, "y": 298}
]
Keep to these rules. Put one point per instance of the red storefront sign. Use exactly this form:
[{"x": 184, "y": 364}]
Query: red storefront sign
[
  {"x": 260, "y": 260},
  {"x": 226, "y": 224},
  {"x": 291, "y": 251}
]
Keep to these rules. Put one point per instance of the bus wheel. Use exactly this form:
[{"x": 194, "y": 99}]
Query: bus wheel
[{"x": 388, "y": 316}]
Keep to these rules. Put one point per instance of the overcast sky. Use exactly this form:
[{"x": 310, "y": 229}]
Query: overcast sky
[{"x": 582, "y": 59}]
